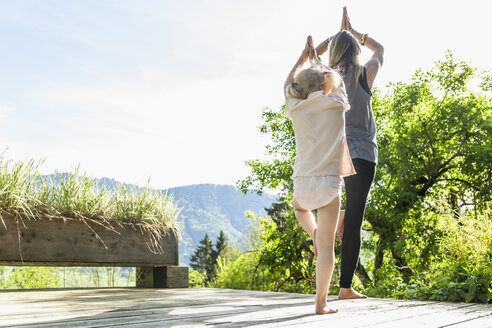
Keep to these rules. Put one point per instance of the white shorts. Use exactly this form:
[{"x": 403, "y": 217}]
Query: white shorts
[{"x": 315, "y": 192}]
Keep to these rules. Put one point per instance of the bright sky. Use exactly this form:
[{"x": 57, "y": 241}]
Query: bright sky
[{"x": 173, "y": 90}]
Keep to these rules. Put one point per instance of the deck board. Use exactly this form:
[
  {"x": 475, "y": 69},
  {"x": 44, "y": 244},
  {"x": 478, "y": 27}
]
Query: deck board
[{"x": 207, "y": 307}]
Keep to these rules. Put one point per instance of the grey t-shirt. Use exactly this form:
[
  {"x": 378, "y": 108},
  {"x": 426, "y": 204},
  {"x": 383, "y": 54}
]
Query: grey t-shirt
[{"x": 360, "y": 127}]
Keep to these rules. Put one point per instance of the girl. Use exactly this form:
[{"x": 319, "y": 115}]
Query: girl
[{"x": 316, "y": 102}]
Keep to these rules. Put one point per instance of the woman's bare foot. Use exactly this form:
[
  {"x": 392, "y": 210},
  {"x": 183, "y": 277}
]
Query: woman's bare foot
[
  {"x": 314, "y": 243},
  {"x": 341, "y": 221},
  {"x": 322, "y": 308},
  {"x": 349, "y": 293}
]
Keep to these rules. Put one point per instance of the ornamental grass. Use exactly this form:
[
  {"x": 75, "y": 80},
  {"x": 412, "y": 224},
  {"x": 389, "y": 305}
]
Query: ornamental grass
[{"x": 24, "y": 192}]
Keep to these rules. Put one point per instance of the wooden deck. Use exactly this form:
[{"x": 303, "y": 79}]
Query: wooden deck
[{"x": 196, "y": 307}]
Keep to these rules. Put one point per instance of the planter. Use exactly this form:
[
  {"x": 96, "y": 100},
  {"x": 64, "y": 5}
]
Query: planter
[{"x": 82, "y": 242}]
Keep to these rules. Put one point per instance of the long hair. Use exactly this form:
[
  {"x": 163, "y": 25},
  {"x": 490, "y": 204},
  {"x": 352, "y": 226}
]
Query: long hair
[
  {"x": 310, "y": 80},
  {"x": 344, "y": 51}
]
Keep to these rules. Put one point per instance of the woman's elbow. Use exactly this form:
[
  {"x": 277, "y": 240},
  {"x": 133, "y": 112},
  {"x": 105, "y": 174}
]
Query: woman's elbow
[{"x": 380, "y": 52}]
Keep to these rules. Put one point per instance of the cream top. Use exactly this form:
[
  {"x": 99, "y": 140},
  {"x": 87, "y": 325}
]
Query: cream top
[{"x": 319, "y": 128}]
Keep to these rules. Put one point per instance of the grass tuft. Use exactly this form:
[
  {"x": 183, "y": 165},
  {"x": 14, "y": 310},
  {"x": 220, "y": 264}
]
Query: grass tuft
[{"x": 72, "y": 195}]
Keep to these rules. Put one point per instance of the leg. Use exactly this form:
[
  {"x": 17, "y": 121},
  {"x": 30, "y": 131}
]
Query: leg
[
  {"x": 307, "y": 222},
  {"x": 325, "y": 241},
  {"x": 357, "y": 188},
  {"x": 341, "y": 221}
]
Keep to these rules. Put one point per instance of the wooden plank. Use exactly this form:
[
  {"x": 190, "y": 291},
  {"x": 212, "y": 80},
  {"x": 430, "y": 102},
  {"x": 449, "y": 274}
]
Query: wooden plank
[
  {"x": 449, "y": 315},
  {"x": 264, "y": 316},
  {"x": 387, "y": 317},
  {"x": 481, "y": 322},
  {"x": 304, "y": 317},
  {"x": 78, "y": 243}
]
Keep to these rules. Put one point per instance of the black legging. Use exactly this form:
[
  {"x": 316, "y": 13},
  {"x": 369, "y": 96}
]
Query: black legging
[{"x": 356, "y": 190}]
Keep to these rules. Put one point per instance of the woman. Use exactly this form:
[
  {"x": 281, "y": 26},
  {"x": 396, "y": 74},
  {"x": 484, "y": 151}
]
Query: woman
[
  {"x": 316, "y": 102},
  {"x": 361, "y": 138}
]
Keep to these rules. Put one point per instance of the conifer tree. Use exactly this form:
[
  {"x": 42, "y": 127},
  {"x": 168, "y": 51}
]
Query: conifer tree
[
  {"x": 220, "y": 245},
  {"x": 204, "y": 260},
  {"x": 201, "y": 260}
]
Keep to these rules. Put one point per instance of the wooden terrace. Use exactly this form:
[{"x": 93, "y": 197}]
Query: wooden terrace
[{"x": 207, "y": 307}]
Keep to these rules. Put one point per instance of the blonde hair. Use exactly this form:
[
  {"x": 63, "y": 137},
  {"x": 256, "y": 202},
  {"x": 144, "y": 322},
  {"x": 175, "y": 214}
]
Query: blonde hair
[
  {"x": 344, "y": 51},
  {"x": 312, "y": 79}
]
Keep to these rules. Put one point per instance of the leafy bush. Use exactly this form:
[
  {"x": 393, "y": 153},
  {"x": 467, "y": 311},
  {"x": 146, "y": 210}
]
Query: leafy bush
[{"x": 196, "y": 279}]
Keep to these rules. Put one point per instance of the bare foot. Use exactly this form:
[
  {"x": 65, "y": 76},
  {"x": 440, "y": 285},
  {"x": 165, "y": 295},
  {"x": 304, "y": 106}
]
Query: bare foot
[
  {"x": 349, "y": 293},
  {"x": 341, "y": 221},
  {"x": 314, "y": 243},
  {"x": 324, "y": 309}
]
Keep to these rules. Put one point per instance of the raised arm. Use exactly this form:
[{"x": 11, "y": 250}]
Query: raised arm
[
  {"x": 306, "y": 54},
  {"x": 376, "y": 61},
  {"x": 323, "y": 46}
]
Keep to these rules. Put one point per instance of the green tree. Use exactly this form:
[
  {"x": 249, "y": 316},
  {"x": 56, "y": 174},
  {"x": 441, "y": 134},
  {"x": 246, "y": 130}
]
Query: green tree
[
  {"x": 220, "y": 246},
  {"x": 433, "y": 136},
  {"x": 201, "y": 260},
  {"x": 204, "y": 259}
]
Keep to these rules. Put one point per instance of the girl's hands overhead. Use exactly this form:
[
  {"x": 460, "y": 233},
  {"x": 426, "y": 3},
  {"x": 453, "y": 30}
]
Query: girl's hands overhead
[
  {"x": 308, "y": 51},
  {"x": 311, "y": 53}
]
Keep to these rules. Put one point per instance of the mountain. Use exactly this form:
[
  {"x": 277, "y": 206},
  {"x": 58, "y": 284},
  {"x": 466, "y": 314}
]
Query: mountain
[{"x": 207, "y": 208}]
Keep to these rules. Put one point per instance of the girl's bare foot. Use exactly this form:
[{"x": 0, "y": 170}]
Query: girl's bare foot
[
  {"x": 314, "y": 243},
  {"x": 322, "y": 308},
  {"x": 340, "y": 226},
  {"x": 349, "y": 293}
]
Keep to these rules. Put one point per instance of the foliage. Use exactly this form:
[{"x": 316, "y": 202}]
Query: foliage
[
  {"x": 286, "y": 251},
  {"x": 201, "y": 260},
  {"x": 17, "y": 181},
  {"x": 65, "y": 277},
  {"x": 432, "y": 136},
  {"x": 241, "y": 272},
  {"x": 466, "y": 250},
  {"x": 204, "y": 260},
  {"x": 32, "y": 277},
  {"x": 196, "y": 279},
  {"x": 434, "y": 172}
]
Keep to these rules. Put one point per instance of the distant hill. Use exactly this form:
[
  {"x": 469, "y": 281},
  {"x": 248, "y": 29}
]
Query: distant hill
[{"x": 208, "y": 208}]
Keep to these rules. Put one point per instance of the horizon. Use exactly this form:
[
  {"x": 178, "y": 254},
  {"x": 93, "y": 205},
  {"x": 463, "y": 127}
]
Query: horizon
[{"x": 174, "y": 91}]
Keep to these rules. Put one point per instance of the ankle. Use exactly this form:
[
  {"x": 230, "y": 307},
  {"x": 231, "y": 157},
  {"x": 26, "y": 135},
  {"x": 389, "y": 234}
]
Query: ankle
[
  {"x": 319, "y": 300},
  {"x": 346, "y": 291}
]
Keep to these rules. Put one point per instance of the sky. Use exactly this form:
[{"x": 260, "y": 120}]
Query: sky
[{"x": 173, "y": 91}]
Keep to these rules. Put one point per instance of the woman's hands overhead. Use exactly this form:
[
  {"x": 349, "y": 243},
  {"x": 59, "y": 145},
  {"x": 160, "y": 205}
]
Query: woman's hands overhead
[{"x": 346, "y": 25}]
